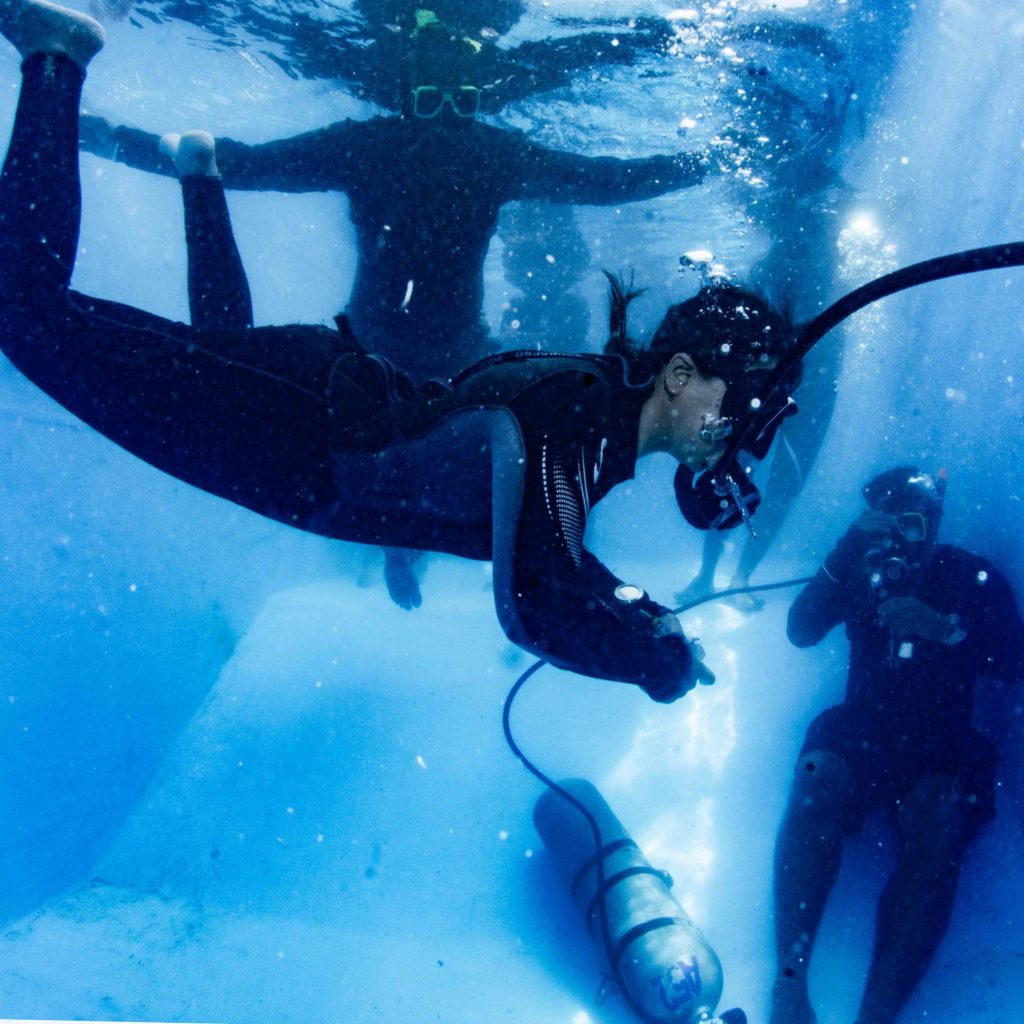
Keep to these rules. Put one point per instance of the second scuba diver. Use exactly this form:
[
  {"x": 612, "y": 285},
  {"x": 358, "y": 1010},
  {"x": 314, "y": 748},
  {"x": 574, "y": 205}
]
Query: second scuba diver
[{"x": 926, "y": 621}]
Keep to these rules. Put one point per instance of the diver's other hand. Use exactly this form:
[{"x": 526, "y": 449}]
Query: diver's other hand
[
  {"x": 96, "y": 135},
  {"x": 907, "y": 616},
  {"x": 668, "y": 625},
  {"x": 699, "y": 672}
]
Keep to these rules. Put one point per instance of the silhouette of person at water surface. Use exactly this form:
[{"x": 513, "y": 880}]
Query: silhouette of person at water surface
[
  {"x": 425, "y": 189},
  {"x": 364, "y": 46},
  {"x": 422, "y": 233}
]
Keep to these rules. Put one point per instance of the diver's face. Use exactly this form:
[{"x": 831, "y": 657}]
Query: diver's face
[{"x": 693, "y": 401}]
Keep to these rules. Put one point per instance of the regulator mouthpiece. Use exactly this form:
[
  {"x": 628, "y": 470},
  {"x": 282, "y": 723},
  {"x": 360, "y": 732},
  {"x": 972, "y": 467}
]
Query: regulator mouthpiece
[{"x": 716, "y": 499}]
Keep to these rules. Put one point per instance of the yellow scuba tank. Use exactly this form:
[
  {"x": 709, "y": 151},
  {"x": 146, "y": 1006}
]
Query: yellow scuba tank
[{"x": 667, "y": 969}]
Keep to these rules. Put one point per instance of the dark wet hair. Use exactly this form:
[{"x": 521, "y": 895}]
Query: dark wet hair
[
  {"x": 905, "y": 489},
  {"x": 728, "y": 331}
]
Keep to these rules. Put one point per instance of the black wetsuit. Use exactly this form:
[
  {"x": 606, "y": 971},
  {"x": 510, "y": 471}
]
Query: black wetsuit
[
  {"x": 297, "y": 424},
  {"x": 905, "y": 719},
  {"x": 218, "y": 289},
  {"x": 424, "y": 198}
]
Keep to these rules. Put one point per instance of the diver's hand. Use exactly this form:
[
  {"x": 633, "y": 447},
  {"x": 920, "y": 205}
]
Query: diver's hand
[
  {"x": 907, "y": 616},
  {"x": 866, "y": 531},
  {"x": 667, "y": 625},
  {"x": 96, "y": 135},
  {"x": 874, "y": 523},
  {"x": 697, "y": 671}
]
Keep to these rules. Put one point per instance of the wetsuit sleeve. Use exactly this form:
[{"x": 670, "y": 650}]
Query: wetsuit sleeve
[
  {"x": 825, "y": 601},
  {"x": 542, "y": 65},
  {"x": 560, "y": 177},
  {"x": 992, "y": 622},
  {"x": 311, "y": 162},
  {"x": 553, "y": 597}
]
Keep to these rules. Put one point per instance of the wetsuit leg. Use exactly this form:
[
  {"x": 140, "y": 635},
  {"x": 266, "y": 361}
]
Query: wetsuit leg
[
  {"x": 808, "y": 852},
  {"x": 242, "y": 414},
  {"x": 218, "y": 291},
  {"x": 38, "y": 239},
  {"x": 917, "y": 902}
]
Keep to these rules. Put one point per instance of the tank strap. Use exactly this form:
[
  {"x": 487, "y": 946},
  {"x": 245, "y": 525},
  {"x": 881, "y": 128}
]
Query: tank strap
[
  {"x": 591, "y": 861},
  {"x": 609, "y": 883},
  {"x": 643, "y": 929}
]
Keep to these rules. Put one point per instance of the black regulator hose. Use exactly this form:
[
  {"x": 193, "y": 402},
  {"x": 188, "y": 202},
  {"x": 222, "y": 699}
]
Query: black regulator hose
[{"x": 595, "y": 829}]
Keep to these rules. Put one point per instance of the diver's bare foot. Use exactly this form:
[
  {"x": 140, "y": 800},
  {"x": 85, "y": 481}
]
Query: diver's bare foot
[
  {"x": 700, "y": 586},
  {"x": 400, "y": 577},
  {"x": 747, "y": 603},
  {"x": 37, "y": 26},
  {"x": 194, "y": 153}
]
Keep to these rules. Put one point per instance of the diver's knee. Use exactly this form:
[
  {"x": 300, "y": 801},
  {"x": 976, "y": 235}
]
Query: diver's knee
[{"x": 822, "y": 786}]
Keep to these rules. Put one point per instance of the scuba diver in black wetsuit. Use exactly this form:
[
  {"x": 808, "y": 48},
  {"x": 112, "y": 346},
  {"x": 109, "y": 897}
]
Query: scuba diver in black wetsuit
[
  {"x": 925, "y": 621},
  {"x": 425, "y": 189},
  {"x": 301, "y": 425}
]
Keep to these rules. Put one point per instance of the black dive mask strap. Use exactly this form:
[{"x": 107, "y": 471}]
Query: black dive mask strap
[{"x": 721, "y": 483}]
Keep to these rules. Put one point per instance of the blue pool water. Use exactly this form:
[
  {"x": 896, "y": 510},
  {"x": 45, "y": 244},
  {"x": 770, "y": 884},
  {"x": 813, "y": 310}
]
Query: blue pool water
[{"x": 240, "y": 785}]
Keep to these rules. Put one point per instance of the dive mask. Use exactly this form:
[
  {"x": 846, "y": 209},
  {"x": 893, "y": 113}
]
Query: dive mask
[{"x": 428, "y": 100}]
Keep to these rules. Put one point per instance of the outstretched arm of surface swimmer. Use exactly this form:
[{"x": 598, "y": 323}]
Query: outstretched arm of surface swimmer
[
  {"x": 539, "y": 65},
  {"x": 559, "y": 177},
  {"x": 303, "y": 163},
  {"x": 558, "y": 601}
]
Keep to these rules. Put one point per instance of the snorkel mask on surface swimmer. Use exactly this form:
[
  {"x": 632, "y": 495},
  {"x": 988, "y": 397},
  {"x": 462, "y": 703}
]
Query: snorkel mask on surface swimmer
[{"x": 441, "y": 69}]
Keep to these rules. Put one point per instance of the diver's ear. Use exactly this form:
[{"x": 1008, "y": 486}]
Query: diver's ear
[{"x": 679, "y": 370}]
